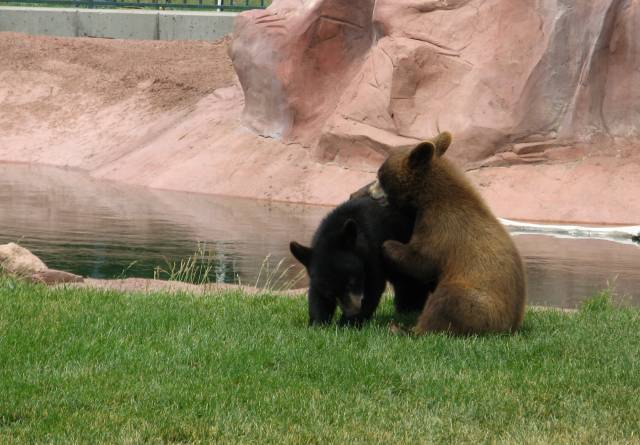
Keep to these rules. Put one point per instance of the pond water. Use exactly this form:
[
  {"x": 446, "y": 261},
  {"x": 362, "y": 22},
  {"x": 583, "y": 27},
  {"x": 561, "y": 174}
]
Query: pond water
[{"x": 108, "y": 230}]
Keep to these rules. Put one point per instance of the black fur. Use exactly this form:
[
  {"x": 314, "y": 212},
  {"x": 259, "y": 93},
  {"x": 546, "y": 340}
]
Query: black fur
[{"x": 346, "y": 258}]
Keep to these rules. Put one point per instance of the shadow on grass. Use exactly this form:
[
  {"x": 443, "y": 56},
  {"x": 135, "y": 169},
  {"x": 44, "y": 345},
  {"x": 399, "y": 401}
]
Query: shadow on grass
[
  {"x": 8, "y": 419},
  {"x": 404, "y": 319}
]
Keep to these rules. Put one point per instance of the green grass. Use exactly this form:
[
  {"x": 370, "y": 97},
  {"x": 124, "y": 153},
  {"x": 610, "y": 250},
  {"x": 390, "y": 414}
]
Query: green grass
[
  {"x": 199, "y": 268},
  {"x": 79, "y": 366}
]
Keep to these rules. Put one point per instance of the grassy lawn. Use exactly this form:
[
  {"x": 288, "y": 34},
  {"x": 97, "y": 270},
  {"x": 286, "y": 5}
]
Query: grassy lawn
[{"x": 80, "y": 366}]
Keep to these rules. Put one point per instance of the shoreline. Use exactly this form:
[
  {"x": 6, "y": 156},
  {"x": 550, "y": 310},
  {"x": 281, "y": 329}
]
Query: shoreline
[
  {"x": 534, "y": 225},
  {"x": 21, "y": 264}
]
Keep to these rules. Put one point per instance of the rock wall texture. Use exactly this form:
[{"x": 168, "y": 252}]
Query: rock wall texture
[
  {"x": 552, "y": 86},
  {"x": 293, "y": 59}
]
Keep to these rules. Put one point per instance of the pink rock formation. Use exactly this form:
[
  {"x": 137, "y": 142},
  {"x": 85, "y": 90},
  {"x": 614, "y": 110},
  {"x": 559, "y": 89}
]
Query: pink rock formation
[
  {"x": 293, "y": 60},
  {"x": 552, "y": 87}
]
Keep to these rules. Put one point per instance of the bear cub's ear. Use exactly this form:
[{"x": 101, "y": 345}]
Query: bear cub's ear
[
  {"x": 442, "y": 142},
  {"x": 349, "y": 234},
  {"x": 424, "y": 152},
  {"x": 422, "y": 155},
  {"x": 301, "y": 253}
]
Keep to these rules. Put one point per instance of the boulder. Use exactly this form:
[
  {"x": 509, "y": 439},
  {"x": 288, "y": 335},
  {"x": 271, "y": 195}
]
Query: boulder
[
  {"x": 16, "y": 260},
  {"x": 20, "y": 262}
]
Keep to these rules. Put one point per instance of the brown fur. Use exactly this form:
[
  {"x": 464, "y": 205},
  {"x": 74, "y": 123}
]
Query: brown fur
[{"x": 456, "y": 240}]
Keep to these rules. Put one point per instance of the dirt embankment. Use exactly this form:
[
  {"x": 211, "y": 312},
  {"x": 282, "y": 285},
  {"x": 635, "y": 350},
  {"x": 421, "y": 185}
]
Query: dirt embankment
[
  {"x": 47, "y": 75},
  {"x": 82, "y": 102}
]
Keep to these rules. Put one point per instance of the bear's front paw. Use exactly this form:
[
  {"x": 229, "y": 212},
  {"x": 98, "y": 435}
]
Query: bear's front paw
[
  {"x": 353, "y": 321},
  {"x": 394, "y": 250},
  {"x": 398, "y": 329}
]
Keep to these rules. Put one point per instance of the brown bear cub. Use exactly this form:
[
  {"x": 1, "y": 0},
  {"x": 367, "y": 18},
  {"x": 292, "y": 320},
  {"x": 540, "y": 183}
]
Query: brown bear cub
[{"x": 457, "y": 242}]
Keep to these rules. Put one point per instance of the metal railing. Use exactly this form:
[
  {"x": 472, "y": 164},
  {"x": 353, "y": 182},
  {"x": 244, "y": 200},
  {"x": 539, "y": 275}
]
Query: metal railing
[{"x": 219, "y": 5}]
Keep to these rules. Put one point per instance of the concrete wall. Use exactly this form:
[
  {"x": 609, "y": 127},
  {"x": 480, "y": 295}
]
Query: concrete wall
[
  {"x": 117, "y": 24},
  {"x": 194, "y": 25},
  {"x": 47, "y": 21}
]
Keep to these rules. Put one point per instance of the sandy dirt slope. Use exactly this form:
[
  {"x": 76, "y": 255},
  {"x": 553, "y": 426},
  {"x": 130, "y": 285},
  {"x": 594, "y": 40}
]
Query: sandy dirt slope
[
  {"x": 169, "y": 74},
  {"x": 83, "y": 102}
]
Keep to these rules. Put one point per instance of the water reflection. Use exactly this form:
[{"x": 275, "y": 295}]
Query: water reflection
[
  {"x": 104, "y": 229},
  {"x": 561, "y": 271}
]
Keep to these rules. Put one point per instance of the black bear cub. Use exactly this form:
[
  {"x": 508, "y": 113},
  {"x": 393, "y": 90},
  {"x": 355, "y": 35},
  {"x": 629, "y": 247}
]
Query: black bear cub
[{"x": 345, "y": 263}]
